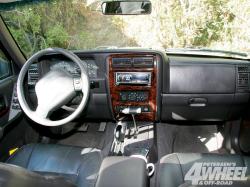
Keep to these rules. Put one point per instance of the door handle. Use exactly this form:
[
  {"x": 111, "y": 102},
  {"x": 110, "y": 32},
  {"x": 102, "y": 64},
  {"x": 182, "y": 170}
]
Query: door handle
[{"x": 197, "y": 102}]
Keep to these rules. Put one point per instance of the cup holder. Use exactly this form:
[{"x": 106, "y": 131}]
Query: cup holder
[{"x": 150, "y": 166}]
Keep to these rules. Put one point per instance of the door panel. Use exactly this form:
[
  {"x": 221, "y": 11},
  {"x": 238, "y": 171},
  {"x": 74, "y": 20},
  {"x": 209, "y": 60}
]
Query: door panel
[
  {"x": 6, "y": 89},
  {"x": 7, "y": 82},
  {"x": 11, "y": 129}
]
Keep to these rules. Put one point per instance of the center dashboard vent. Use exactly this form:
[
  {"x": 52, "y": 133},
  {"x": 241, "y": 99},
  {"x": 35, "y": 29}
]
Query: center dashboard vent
[
  {"x": 145, "y": 62},
  {"x": 136, "y": 62},
  {"x": 121, "y": 62},
  {"x": 243, "y": 78}
]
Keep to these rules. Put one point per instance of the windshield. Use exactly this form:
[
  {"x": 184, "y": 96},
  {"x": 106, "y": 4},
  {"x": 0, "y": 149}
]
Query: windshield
[{"x": 80, "y": 24}]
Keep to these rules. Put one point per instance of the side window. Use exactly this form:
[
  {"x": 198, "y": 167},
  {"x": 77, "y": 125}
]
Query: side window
[{"x": 4, "y": 66}]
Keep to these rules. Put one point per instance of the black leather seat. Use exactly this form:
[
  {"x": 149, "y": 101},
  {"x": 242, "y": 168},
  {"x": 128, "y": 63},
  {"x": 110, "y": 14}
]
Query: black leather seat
[
  {"x": 79, "y": 165},
  {"x": 13, "y": 176},
  {"x": 174, "y": 167}
]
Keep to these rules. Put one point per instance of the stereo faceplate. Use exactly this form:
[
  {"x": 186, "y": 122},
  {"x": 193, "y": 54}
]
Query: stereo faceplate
[{"x": 133, "y": 78}]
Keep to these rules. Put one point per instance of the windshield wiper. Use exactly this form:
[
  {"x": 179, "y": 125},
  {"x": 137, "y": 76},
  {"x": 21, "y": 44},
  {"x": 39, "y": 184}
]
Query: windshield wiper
[{"x": 210, "y": 52}]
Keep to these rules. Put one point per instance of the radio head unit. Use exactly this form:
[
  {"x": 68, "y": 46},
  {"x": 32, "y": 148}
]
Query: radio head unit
[{"x": 133, "y": 78}]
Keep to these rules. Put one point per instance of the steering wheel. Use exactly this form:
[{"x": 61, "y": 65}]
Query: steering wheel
[{"x": 54, "y": 89}]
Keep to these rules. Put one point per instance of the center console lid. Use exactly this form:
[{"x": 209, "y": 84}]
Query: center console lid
[{"x": 123, "y": 172}]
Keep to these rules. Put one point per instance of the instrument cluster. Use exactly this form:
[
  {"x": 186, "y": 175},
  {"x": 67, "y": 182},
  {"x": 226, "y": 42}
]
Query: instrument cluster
[{"x": 73, "y": 68}]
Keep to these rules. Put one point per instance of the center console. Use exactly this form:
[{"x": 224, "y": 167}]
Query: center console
[
  {"x": 133, "y": 95},
  {"x": 122, "y": 172},
  {"x": 133, "y": 84}
]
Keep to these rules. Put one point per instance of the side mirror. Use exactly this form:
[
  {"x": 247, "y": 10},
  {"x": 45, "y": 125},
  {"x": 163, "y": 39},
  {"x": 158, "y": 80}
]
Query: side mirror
[{"x": 126, "y": 7}]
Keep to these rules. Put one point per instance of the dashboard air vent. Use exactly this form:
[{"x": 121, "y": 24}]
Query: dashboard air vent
[
  {"x": 145, "y": 62},
  {"x": 243, "y": 79},
  {"x": 243, "y": 69},
  {"x": 33, "y": 75},
  {"x": 121, "y": 62}
]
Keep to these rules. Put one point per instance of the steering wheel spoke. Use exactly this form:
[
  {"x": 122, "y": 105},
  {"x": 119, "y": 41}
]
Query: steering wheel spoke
[{"x": 41, "y": 112}]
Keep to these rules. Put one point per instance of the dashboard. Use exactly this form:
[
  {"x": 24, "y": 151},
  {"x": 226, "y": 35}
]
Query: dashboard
[{"x": 165, "y": 87}]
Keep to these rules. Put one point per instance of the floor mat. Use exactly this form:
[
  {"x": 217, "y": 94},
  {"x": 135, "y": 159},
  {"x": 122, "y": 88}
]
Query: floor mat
[
  {"x": 91, "y": 138},
  {"x": 185, "y": 139},
  {"x": 202, "y": 139}
]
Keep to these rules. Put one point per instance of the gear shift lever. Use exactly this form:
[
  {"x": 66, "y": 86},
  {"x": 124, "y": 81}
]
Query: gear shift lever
[{"x": 133, "y": 111}]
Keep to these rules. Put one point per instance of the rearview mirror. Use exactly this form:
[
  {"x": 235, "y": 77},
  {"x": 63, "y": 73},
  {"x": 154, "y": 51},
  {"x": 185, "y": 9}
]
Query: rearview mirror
[{"x": 126, "y": 7}]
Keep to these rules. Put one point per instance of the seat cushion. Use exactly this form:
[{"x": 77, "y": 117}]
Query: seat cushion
[
  {"x": 80, "y": 165},
  {"x": 174, "y": 167}
]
